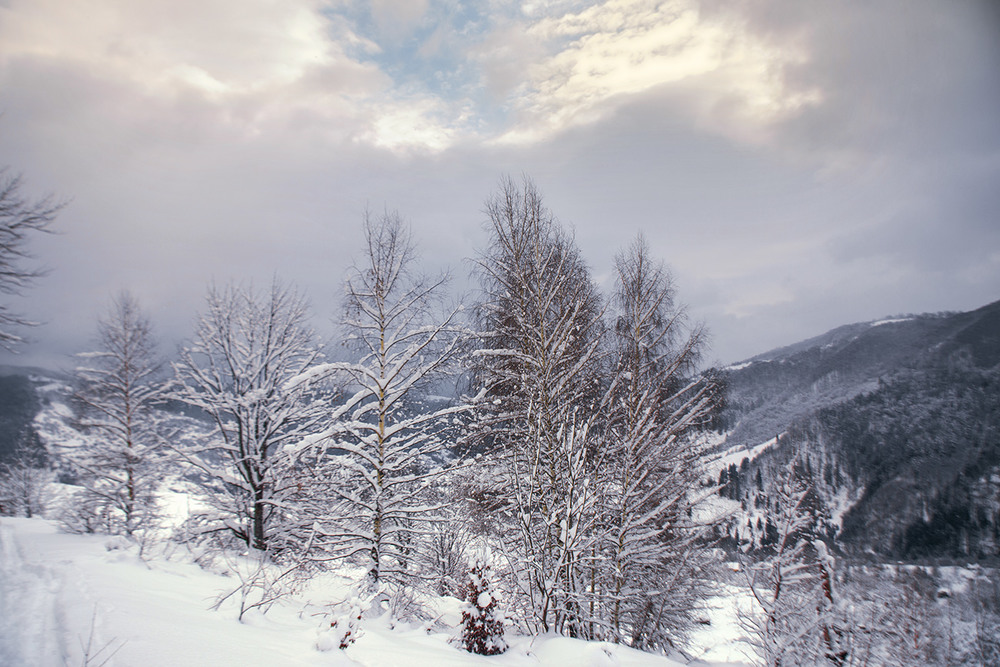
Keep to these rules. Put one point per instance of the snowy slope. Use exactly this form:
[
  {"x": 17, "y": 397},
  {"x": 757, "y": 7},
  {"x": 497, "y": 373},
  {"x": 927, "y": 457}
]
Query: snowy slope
[{"x": 60, "y": 593}]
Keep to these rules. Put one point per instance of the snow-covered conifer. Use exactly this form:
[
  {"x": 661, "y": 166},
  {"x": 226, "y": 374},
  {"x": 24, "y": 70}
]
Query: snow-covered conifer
[
  {"x": 345, "y": 629},
  {"x": 482, "y": 623}
]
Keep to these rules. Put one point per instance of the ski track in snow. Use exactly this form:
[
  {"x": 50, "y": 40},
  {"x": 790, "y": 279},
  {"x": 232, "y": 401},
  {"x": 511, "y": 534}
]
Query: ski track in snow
[{"x": 31, "y": 604}]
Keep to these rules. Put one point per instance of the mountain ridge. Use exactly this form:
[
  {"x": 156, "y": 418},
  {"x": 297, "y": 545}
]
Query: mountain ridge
[{"x": 897, "y": 414}]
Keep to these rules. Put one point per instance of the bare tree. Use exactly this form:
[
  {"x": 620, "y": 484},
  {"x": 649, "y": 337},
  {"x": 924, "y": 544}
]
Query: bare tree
[
  {"x": 23, "y": 488},
  {"x": 117, "y": 389},
  {"x": 385, "y": 447},
  {"x": 20, "y": 219},
  {"x": 785, "y": 627},
  {"x": 658, "y": 575},
  {"x": 540, "y": 363},
  {"x": 247, "y": 346},
  {"x": 986, "y": 615}
]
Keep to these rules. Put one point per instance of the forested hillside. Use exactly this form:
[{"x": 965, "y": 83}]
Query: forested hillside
[
  {"x": 18, "y": 406},
  {"x": 896, "y": 422}
]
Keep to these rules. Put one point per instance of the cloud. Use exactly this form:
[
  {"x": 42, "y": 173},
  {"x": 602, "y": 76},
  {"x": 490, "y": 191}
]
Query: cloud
[
  {"x": 240, "y": 69},
  {"x": 893, "y": 78},
  {"x": 600, "y": 57},
  {"x": 227, "y": 48},
  {"x": 397, "y": 18},
  {"x": 799, "y": 164}
]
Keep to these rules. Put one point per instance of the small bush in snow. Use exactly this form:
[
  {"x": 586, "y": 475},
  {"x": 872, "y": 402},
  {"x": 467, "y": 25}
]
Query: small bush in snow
[
  {"x": 344, "y": 629},
  {"x": 482, "y": 627}
]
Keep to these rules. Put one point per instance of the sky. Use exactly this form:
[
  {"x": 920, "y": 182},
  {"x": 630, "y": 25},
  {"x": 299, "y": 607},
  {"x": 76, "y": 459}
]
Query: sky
[{"x": 798, "y": 165}]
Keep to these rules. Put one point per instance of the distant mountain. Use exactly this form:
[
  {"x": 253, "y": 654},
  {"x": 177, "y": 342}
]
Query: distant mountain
[
  {"x": 38, "y": 421},
  {"x": 23, "y": 395},
  {"x": 19, "y": 404},
  {"x": 898, "y": 422}
]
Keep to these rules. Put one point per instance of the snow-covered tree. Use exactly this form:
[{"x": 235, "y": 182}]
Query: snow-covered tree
[
  {"x": 117, "y": 389},
  {"x": 658, "y": 576},
  {"x": 23, "y": 485},
  {"x": 386, "y": 446},
  {"x": 784, "y": 628},
  {"x": 448, "y": 544},
  {"x": 986, "y": 615},
  {"x": 247, "y": 347},
  {"x": 20, "y": 220},
  {"x": 539, "y": 362},
  {"x": 482, "y": 622},
  {"x": 891, "y": 618}
]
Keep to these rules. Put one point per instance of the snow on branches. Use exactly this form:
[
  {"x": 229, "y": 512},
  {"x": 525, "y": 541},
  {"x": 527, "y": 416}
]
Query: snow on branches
[
  {"x": 388, "y": 444},
  {"x": 539, "y": 363},
  {"x": 247, "y": 347},
  {"x": 118, "y": 469},
  {"x": 482, "y": 624}
]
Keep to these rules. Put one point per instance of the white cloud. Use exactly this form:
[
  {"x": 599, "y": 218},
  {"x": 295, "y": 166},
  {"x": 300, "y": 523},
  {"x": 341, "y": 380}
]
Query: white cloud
[
  {"x": 599, "y": 57},
  {"x": 234, "y": 46},
  {"x": 410, "y": 126},
  {"x": 259, "y": 63},
  {"x": 254, "y": 66}
]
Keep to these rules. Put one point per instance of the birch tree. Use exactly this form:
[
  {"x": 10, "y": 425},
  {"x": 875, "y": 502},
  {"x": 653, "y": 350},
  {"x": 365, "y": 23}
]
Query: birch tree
[
  {"x": 247, "y": 346},
  {"x": 784, "y": 626},
  {"x": 117, "y": 390},
  {"x": 387, "y": 445},
  {"x": 539, "y": 362},
  {"x": 658, "y": 566}
]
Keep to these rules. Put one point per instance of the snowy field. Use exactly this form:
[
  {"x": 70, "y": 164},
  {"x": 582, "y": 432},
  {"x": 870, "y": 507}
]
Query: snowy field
[{"x": 90, "y": 600}]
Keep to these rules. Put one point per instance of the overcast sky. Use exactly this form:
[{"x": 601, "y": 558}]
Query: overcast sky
[{"x": 800, "y": 165}]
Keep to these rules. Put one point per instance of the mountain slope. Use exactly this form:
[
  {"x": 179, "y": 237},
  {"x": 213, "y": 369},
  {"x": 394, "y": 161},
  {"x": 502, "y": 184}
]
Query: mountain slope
[{"x": 901, "y": 416}]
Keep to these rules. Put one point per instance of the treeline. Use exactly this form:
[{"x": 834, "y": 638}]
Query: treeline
[{"x": 579, "y": 408}]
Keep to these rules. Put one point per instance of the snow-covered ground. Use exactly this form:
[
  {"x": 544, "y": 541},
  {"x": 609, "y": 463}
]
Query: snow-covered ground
[
  {"x": 84, "y": 599},
  {"x": 734, "y": 456},
  {"x": 91, "y": 600}
]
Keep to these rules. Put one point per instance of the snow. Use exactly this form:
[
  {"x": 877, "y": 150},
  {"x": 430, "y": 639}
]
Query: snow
[
  {"x": 721, "y": 640},
  {"x": 842, "y": 502},
  {"x": 891, "y": 321},
  {"x": 738, "y": 367},
  {"x": 51, "y": 424},
  {"x": 735, "y": 456},
  {"x": 60, "y": 592}
]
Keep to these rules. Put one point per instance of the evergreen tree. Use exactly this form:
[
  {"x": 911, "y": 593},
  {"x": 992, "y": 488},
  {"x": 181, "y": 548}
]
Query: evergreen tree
[{"x": 482, "y": 626}]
